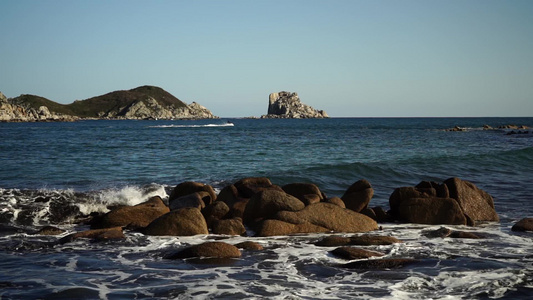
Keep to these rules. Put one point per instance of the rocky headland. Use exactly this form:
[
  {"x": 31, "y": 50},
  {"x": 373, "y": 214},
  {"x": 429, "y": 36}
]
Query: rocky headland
[
  {"x": 145, "y": 102},
  {"x": 287, "y": 105}
]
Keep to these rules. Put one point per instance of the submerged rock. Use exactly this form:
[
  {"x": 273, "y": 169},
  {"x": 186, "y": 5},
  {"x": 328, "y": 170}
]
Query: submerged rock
[
  {"x": 351, "y": 253},
  {"x": 386, "y": 263},
  {"x": 526, "y": 224},
  {"x": 362, "y": 240}
]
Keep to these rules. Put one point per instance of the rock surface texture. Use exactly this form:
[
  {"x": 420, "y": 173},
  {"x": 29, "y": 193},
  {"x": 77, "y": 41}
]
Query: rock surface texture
[{"x": 288, "y": 105}]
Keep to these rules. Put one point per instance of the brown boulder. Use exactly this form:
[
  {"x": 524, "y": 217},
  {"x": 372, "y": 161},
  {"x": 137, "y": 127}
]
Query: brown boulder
[
  {"x": 351, "y": 253},
  {"x": 311, "y": 199},
  {"x": 189, "y": 187},
  {"x": 431, "y": 211},
  {"x": 362, "y": 240},
  {"x": 265, "y": 204},
  {"x": 237, "y": 209},
  {"x": 247, "y": 187},
  {"x": 358, "y": 195},
  {"x": 137, "y": 216},
  {"x": 215, "y": 211},
  {"x": 249, "y": 245},
  {"x": 208, "y": 249},
  {"x": 477, "y": 204},
  {"x": 300, "y": 190},
  {"x": 97, "y": 234},
  {"x": 337, "y": 201},
  {"x": 441, "y": 190},
  {"x": 526, "y": 224},
  {"x": 181, "y": 222},
  {"x": 277, "y": 227},
  {"x": 229, "y": 195},
  {"x": 229, "y": 227},
  {"x": 385, "y": 263},
  {"x": 329, "y": 216},
  {"x": 196, "y": 199},
  {"x": 403, "y": 193}
]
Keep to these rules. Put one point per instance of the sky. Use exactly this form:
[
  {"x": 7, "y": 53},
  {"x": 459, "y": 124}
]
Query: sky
[{"x": 351, "y": 58}]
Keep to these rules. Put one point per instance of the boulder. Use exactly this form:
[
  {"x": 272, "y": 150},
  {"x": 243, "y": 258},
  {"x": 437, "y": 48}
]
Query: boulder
[
  {"x": 378, "y": 264},
  {"x": 229, "y": 227},
  {"x": 329, "y": 216},
  {"x": 403, "y": 193},
  {"x": 181, "y": 222},
  {"x": 229, "y": 195},
  {"x": 431, "y": 211},
  {"x": 247, "y": 187},
  {"x": 440, "y": 190},
  {"x": 310, "y": 199},
  {"x": 136, "y": 216},
  {"x": 249, "y": 245},
  {"x": 477, "y": 204},
  {"x": 276, "y": 227},
  {"x": 237, "y": 210},
  {"x": 215, "y": 211},
  {"x": 351, "y": 253},
  {"x": 362, "y": 240},
  {"x": 208, "y": 249},
  {"x": 196, "y": 199},
  {"x": 50, "y": 230},
  {"x": 302, "y": 190},
  {"x": 265, "y": 204},
  {"x": 358, "y": 195},
  {"x": 189, "y": 187},
  {"x": 526, "y": 224},
  {"x": 96, "y": 234},
  {"x": 337, "y": 201}
]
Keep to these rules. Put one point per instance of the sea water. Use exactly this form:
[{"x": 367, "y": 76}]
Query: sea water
[{"x": 56, "y": 173}]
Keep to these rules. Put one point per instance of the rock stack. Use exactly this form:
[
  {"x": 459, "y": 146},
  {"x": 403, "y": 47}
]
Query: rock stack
[{"x": 288, "y": 105}]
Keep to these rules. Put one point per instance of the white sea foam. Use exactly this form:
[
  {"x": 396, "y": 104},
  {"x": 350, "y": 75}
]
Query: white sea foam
[{"x": 193, "y": 126}]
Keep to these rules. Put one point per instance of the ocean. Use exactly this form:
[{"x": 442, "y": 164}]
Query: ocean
[{"x": 56, "y": 173}]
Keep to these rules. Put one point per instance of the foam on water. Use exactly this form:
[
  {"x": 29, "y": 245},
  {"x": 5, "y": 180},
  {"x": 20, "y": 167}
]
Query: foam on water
[{"x": 193, "y": 125}]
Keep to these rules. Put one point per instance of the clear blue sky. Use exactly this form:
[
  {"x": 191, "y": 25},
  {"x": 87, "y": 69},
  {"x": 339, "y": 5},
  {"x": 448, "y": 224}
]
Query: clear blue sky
[{"x": 350, "y": 58}]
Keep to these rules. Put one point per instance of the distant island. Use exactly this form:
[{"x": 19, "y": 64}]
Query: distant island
[
  {"x": 145, "y": 102},
  {"x": 287, "y": 105}
]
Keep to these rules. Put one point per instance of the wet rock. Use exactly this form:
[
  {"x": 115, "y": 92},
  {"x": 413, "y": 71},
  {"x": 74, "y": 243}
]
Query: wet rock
[
  {"x": 50, "y": 230},
  {"x": 330, "y": 216},
  {"x": 477, "y": 204},
  {"x": 351, "y": 253},
  {"x": 363, "y": 240},
  {"x": 464, "y": 235},
  {"x": 378, "y": 264},
  {"x": 444, "y": 232},
  {"x": 303, "y": 191},
  {"x": 249, "y": 245},
  {"x": 190, "y": 187},
  {"x": 181, "y": 222},
  {"x": 336, "y": 201},
  {"x": 208, "y": 249},
  {"x": 358, "y": 195},
  {"x": 96, "y": 234},
  {"x": 196, "y": 199},
  {"x": 526, "y": 224},
  {"x": 333, "y": 241},
  {"x": 277, "y": 227},
  {"x": 381, "y": 214},
  {"x": 431, "y": 211},
  {"x": 265, "y": 204},
  {"x": 369, "y": 212},
  {"x": 137, "y": 216},
  {"x": 229, "y": 227}
]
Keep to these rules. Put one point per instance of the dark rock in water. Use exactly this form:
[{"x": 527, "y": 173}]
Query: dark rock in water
[
  {"x": 97, "y": 234},
  {"x": 358, "y": 195},
  {"x": 440, "y": 189},
  {"x": 229, "y": 195},
  {"x": 464, "y": 235},
  {"x": 229, "y": 227},
  {"x": 381, "y": 214},
  {"x": 137, "y": 216},
  {"x": 265, "y": 204},
  {"x": 369, "y": 212},
  {"x": 476, "y": 203},
  {"x": 208, "y": 249},
  {"x": 50, "y": 230},
  {"x": 351, "y": 253},
  {"x": 189, "y": 187},
  {"x": 336, "y": 201},
  {"x": 386, "y": 263},
  {"x": 446, "y": 232},
  {"x": 249, "y": 245},
  {"x": 215, "y": 211},
  {"x": 431, "y": 211},
  {"x": 247, "y": 187},
  {"x": 362, "y": 240},
  {"x": 288, "y": 105},
  {"x": 196, "y": 199},
  {"x": 330, "y": 216},
  {"x": 526, "y": 224},
  {"x": 277, "y": 227},
  {"x": 61, "y": 210},
  {"x": 302, "y": 190},
  {"x": 181, "y": 222}
]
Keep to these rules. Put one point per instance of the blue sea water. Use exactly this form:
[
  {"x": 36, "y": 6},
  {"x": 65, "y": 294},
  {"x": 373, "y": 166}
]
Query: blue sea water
[{"x": 83, "y": 167}]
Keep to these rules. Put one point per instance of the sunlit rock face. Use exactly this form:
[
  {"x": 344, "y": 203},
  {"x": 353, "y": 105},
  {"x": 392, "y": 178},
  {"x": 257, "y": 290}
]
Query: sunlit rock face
[{"x": 288, "y": 105}]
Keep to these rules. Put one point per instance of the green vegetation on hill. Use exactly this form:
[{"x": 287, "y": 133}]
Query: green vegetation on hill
[{"x": 32, "y": 101}]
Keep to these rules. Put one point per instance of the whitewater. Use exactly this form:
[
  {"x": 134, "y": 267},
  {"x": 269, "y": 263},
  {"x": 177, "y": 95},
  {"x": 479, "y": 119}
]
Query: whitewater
[{"x": 60, "y": 173}]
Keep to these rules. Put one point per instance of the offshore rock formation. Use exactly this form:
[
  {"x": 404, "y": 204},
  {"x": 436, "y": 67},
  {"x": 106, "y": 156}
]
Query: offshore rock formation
[
  {"x": 288, "y": 105},
  {"x": 145, "y": 102}
]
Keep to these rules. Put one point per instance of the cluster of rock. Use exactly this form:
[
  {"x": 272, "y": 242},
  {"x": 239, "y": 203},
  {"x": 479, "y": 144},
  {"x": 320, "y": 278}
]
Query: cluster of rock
[
  {"x": 12, "y": 112},
  {"x": 288, "y": 105},
  {"x": 151, "y": 109},
  {"x": 488, "y": 127}
]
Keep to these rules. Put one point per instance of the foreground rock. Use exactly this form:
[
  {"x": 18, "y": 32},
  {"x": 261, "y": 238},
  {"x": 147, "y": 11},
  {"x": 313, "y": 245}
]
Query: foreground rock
[
  {"x": 288, "y": 105},
  {"x": 265, "y": 204},
  {"x": 444, "y": 232},
  {"x": 362, "y": 240},
  {"x": 114, "y": 233},
  {"x": 181, "y": 222},
  {"x": 358, "y": 195},
  {"x": 208, "y": 250},
  {"x": 351, "y": 253},
  {"x": 137, "y": 216},
  {"x": 386, "y": 263},
  {"x": 455, "y": 202},
  {"x": 526, "y": 224}
]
